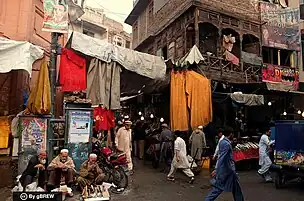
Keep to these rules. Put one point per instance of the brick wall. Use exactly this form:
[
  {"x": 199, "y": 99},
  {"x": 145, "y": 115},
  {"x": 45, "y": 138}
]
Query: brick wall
[{"x": 243, "y": 9}]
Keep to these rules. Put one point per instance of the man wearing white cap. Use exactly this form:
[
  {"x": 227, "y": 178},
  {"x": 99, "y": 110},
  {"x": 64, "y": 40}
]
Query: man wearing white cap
[
  {"x": 61, "y": 166},
  {"x": 198, "y": 142},
  {"x": 90, "y": 173},
  {"x": 123, "y": 142}
]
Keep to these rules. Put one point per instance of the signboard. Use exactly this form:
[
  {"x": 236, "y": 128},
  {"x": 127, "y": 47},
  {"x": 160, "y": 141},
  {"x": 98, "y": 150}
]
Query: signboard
[
  {"x": 280, "y": 74},
  {"x": 290, "y": 158},
  {"x": 280, "y": 26},
  {"x": 79, "y": 126},
  {"x": 55, "y": 16}
]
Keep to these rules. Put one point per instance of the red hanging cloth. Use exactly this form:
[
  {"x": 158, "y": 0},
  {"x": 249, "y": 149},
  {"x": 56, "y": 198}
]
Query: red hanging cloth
[{"x": 72, "y": 71}]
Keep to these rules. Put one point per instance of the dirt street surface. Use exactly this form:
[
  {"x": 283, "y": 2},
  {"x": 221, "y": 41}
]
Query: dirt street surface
[{"x": 148, "y": 184}]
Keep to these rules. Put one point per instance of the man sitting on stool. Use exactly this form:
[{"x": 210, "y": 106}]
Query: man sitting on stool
[
  {"x": 90, "y": 173},
  {"x": 61, "y": 166},
  {"x": 37, "y": 162}
]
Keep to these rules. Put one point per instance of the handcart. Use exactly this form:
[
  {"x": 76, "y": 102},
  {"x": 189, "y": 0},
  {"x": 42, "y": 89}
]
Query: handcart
[{"x": 289, "y": 152}]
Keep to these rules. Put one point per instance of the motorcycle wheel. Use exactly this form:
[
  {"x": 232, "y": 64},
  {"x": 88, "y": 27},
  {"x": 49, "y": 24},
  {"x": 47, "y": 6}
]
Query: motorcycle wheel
[{"x": 120, "y": 178}]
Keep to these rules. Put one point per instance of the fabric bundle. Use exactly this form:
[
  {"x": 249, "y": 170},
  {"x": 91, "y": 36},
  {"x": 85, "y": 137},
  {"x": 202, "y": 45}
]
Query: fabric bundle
[{"x": 104, "y": 119}]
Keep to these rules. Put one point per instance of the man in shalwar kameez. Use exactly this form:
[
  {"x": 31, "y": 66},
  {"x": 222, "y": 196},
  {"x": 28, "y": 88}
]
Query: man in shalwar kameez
[
  {"x": 225, "y": 177},
  {"x": 90, "y": 173},
  {"x": 264, "y": 159},
  {"x": 180, "y": 160},
  {"x": 123, "y": 142}
]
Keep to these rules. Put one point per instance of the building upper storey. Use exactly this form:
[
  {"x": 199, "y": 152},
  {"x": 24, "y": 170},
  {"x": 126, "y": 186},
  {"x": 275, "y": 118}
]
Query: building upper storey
[{"x": 150, "y": 17}]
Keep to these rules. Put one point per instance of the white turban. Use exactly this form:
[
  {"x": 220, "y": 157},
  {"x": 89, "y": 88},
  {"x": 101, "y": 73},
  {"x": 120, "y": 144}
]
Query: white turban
[
  {"x": 64, "y": 151},
  {"x": 93, "y": 156}
]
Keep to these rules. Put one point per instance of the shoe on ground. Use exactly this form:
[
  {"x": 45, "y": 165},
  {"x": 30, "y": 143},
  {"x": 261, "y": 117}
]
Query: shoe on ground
[
  {"x": 170, "y": 179},
  {"x": 191, "y": 180},
  {"x": 70, "y": 194}
]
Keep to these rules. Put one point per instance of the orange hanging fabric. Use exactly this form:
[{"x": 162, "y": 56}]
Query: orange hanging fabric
[
  {"x": 39, "y": 101},
  {"x": 178, "y": 103},
  {"x": 199, "y": 100}
]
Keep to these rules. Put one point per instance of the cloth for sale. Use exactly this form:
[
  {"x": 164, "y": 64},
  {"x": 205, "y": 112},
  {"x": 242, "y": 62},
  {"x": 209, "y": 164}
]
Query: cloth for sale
[
  {"x": 231, "y": 57},
  {"x": 104, "y": 84},
  {"x": 39, "y": 101},
  {"x": 178, "y": 102},
  {"x": 104, "y": 119},
  {"x": 199, "y": 100},
  {"x": 72, "y": 71},
  {"x": 18, "y": 55},
  {"x": 4, "y": 132},
  {"x": 228, "y": 42}
]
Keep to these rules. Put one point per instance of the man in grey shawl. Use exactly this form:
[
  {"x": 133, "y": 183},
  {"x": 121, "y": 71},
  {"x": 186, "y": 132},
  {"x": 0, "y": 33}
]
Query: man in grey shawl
[
  {"x": 166, "y": 151},
  {"x": 198, "y": 142}
]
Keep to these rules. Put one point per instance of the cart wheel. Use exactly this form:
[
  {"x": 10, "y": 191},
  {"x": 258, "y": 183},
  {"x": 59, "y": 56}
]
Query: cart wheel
[{"x": 279, "y": 180}]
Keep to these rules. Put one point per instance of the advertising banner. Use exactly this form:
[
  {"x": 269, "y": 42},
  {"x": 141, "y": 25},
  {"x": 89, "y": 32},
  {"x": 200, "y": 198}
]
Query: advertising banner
[
  {"x": 34, "y": 132},
  {"x": 280, "y": 74},
  {"x": 280, "y": 26},
  {"x": 55, "y": 16}
]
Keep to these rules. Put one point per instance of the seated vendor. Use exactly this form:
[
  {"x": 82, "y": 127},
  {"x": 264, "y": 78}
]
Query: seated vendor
[
  {"x": 37, "y": 162},
  {"x": 90, "y": 173},
  {"x": 61, "y": 167}
]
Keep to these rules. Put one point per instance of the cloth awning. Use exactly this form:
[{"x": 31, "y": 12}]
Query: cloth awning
[
  {"x": 143, "y": 64},
  {"x": 247, "y": 99},
  {"x": 18, "y": 55},
  {"x": 193, "y": 56}
]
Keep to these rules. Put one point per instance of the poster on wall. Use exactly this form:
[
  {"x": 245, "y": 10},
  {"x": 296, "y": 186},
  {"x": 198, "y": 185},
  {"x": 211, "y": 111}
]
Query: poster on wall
[
  {"x": 280, "y": 26},
  {"x": 55, "y": 16},
  {"x": 279, "y": 74},
  {"x": 80, "y": 126},
  {"x": 34, "y": 132}
]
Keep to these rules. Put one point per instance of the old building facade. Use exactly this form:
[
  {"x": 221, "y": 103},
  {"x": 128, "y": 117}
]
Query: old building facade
[
  {"x": 169, "y": 28},
  {"x": 96, "y": 24}
]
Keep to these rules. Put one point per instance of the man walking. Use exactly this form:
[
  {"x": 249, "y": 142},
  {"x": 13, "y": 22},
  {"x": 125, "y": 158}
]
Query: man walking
[
  {"x": 123, "y": 142},
  {"x": 166, "y": 143},
  {"x": 264, "y": 159},
  {"x": 180, "y": 160},
  {"x": 221, "y": 136},
  {"x": 225, "y": 177}
]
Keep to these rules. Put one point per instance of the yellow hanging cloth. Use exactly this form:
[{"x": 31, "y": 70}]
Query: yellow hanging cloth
[
  {"x": 178, "y": 102},
  {"x": 199, "y": 99},
  {"x": 4, "y": 132},
  {"x": 39, "y": 102}
]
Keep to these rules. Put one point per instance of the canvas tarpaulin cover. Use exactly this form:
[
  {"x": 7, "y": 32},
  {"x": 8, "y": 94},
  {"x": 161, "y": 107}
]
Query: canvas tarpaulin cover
[
  {"x": 18, "y": 55},
  {"x": 143, "y": 64}
]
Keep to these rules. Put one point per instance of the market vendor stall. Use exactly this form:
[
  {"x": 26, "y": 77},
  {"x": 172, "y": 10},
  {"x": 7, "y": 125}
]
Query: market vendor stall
[{"x": 246, "y": 151}]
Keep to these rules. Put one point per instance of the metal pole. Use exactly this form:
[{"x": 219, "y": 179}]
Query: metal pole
[{"x": 52, "y": 70}]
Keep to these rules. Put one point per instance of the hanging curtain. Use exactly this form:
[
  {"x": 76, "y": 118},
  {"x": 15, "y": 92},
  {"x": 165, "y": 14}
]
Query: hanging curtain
[
  {"x": 39, "y": 101},
  {"x": 199, "y": 99},
  {"x": 178, "y": 103}
]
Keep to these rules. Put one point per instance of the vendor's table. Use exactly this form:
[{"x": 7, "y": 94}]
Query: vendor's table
[{"x": 240, "y": 155}]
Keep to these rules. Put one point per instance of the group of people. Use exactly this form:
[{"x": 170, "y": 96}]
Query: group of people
[{"x": 61, "y": 171}]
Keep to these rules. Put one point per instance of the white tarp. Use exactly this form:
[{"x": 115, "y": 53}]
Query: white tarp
[
  {"x": 143, "y": 64},
  {"x": 18, "y": 55},
  {"x": 193, "y": 56}
]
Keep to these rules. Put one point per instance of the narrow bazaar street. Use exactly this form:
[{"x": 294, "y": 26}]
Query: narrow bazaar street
[{"x": 148, "y": 184}]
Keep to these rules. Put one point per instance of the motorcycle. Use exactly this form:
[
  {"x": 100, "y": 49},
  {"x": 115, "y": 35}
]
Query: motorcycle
[
  {"x": 112, "y": 164},
  {"x": 153, "y": 144}
]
